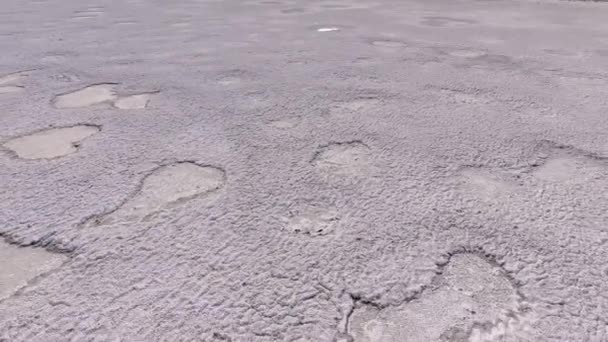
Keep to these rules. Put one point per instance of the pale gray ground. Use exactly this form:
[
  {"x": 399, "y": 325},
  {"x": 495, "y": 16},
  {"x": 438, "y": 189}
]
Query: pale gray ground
[{"x": 291, "y": 170}]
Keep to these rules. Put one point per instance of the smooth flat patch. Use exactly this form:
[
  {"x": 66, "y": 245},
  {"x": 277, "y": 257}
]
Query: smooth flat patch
[
  {"x": 137, "y": 101},
  {"x": 485, "y": 184},
  {"x": 253, "y": 100},
  {"x": 13, "y": 78},
  {"x": 10, "y": 89},
  {"x": 385, "y": 43},
  {"x": 19, "y": 265},
  {"x": 88, "y": 96},
  {"x": 168, "y": 185},
  {"x": 467, "y": 53},
  {"x": 11, "y": 83},
  {"x": 439, "y": 21},
  {"x": 562, "y": 53},
  {"x": 492, "y": 61},
  {"x": 568, "y": 169},
  {"x": 285, "y": 123},
  {"x": 229, "y": 80},
  {"x": 312, "y": 221},
  {"x": 50, "y": 143},
  {"x": 471, "y": 297},
  {"x": 347, "y": 158},
  {"x": 233, "y": 77},
  {"x": 53, "y": 58},
  {"x": 356, "y": 105},
  {"x": 463, "y": 96}
]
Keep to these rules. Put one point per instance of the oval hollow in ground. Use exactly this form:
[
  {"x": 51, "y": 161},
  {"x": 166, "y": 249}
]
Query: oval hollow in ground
[
  {"x": 50, "y": 143},
  {"x": 356, "y": 105},
  {"x": 343, "y": 158},
  {"x": 467, "y": 53},
  {"x": 88, "y": 96},
  {"x": 165, "y": 186},
  {"x": 485, "y": 184},
  {"x": 284, "y": 123},
  {"x": 568, "y": 169},
  {"x": 12, "y": 78},
  {"x": 313, "y": 221},
  {"x": 10, "y": 89},
  {"x": 388, "y": 43},
  {"x": 19, "y": 265},
  {"x": 469, "y": 291},
  {"x": 137, "y": 101}
]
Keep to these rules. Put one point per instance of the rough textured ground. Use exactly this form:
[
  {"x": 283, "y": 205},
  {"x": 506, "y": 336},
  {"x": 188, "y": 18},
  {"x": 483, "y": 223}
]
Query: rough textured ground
[{"x": 290, "y": 170}]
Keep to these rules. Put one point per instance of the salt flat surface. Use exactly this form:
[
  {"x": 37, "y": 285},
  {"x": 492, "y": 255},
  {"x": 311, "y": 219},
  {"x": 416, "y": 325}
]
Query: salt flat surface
[{"x": 290, "y": 170}]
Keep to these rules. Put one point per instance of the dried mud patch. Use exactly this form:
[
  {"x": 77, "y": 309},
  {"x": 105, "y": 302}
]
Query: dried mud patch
[
  {"x": 562, "y": 164},
  {"x": 51, "y": 143},
  {"x": 471, "y": 298},
  {"x": 20, "y": 265},
  {"x": 166, "y": 186},
  {"x": 343, "y": 158}
]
